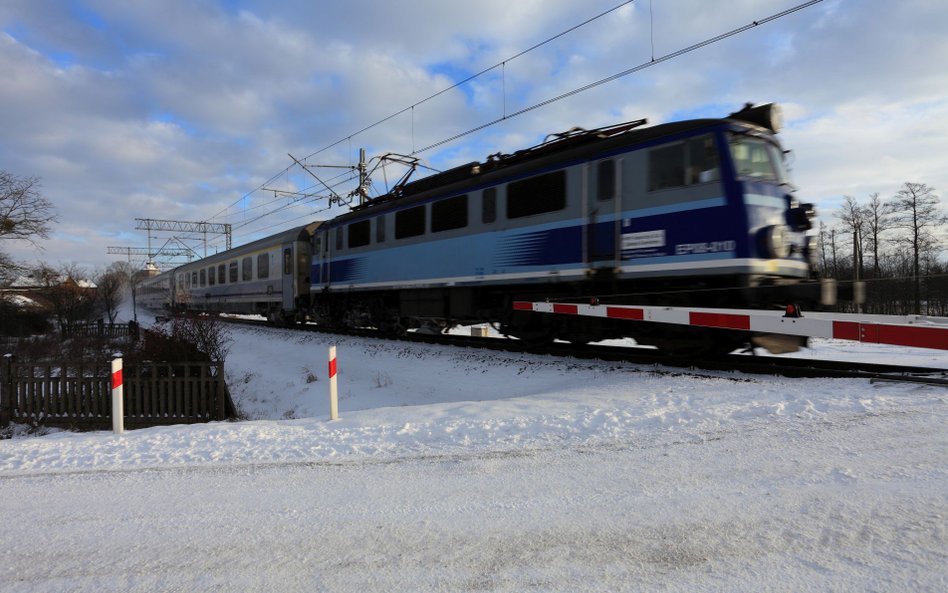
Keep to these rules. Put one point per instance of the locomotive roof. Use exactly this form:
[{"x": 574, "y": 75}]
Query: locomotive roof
[{"x": 565, "y": 148}]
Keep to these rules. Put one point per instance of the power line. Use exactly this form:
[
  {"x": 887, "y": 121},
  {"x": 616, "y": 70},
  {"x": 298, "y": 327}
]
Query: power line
[
  {"x": 426, "y": 99},
  {"x": 653, "y": 61},
  {"x": 624, "y": 73},
  {"x": 500, "y": 64}
]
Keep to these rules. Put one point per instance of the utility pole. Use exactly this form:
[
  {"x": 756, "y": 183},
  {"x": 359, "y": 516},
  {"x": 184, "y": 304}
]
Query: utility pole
[{"x": 363, "y": 178}]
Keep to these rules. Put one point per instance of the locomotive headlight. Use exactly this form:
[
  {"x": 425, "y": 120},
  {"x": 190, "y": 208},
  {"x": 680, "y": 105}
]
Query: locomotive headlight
[{"x": 775, "y": 241}]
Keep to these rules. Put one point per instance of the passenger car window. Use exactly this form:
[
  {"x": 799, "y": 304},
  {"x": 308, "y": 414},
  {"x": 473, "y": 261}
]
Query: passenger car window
[
  {"x": 263, "y": 266},
  {"x": 246, "y": 269}
]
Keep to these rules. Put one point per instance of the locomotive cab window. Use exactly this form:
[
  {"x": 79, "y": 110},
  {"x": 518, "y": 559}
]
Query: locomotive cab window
[
  {"x": 410, "y": 222},
  {"x": 449, "y": 214},
  {"x": 338, "y": 240},
  {"x": 757, "y": 159},
  {"x": 537, "y": 195},
  {"x": 359, "y": 233}
]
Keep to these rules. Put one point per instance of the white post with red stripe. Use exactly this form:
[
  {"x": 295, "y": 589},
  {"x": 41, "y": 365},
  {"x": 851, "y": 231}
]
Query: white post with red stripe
[
  {"x": 118, "y": 408},
  {"x": 333, "y": 389},
  {"x": 898, "y": 330}
]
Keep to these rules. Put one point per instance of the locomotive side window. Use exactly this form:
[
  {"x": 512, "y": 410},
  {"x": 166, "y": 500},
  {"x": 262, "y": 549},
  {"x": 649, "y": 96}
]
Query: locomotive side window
[
  {"x": 683, "y": 163},
  {"x": 489, "y": 205},
  {"x": 211, "y": 276},
  {"x": 359, "y": 233},
  {"x": 606, "y": 180},
  {"x": 203, "y": 277},
  {"x": 222, "y": 274},
  {"x": 410, "y": 222},
  {"x": 449, "y": 214},
  {"x": 263, "y": 266},
  {"x": 666, "y": 167},
  {"x": 232, "y": 271},
  {"x": 246, "y": 269},
  {"x": 536, "y": 195},
  {"x": 380, "y": 228}
]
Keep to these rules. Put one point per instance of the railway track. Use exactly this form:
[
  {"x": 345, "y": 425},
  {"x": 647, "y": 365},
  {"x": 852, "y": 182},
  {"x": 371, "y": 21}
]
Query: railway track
[{"x": 736, "y": 363}]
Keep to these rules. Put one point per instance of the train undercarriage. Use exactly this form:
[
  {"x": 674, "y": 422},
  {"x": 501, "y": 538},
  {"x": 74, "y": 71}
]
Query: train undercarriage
[{"x": 439, "y": 309}]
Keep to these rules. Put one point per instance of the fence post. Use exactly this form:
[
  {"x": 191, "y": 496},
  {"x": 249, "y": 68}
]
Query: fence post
[
  {"x": 219, "y": 392},
  {"x": 118, "y": 413},
  {"x": 6, "y": 390},
  {"x": 333, "y": 391}
]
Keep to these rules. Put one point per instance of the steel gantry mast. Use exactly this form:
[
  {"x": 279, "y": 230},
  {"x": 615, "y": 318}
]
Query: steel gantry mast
[{"x": 181, "y": 226}]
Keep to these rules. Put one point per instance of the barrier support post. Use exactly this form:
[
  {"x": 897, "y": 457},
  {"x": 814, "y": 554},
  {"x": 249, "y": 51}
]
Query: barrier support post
[
  {"x": 333, "y": 390},
  {"x": 118, "y": 409}
]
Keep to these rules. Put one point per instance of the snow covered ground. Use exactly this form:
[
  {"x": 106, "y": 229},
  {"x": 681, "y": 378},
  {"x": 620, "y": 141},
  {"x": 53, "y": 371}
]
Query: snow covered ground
[{"x": 454, "y": 469}]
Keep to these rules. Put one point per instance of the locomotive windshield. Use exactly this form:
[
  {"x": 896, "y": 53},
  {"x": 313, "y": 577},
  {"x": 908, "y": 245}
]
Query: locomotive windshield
[{"x": 757, "y": 159}]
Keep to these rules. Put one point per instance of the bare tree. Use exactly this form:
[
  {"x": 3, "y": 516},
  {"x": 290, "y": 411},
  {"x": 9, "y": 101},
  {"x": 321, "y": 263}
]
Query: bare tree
[
  {"x": 878, "y": 219},
  {"x": 915, "y": 209},
  {"x": 851, "y": 215},
  {"x": 110, "y": 286},
  {"x": 71, "y": 297},
  {"x": 24, "y": 213}
]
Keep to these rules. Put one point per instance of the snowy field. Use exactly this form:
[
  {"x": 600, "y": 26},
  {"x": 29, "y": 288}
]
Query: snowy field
[{"x": 455, "y": 469}]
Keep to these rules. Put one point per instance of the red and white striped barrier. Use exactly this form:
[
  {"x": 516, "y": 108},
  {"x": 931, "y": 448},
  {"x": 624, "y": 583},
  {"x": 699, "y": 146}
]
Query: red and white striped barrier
[
  {"x": 333, "y": 388},
  {"x": 118, "y": 409},
  {"x": 898, "y": 330}
]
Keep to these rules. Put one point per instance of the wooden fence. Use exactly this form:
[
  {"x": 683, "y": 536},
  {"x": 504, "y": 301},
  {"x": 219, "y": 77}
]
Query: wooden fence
[
  {"x": 101, "y": 330},
  {"x": 78, "y": 395}
]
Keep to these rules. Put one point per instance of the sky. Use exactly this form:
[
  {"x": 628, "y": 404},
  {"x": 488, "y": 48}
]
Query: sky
[{"x": 190, "y": 110}]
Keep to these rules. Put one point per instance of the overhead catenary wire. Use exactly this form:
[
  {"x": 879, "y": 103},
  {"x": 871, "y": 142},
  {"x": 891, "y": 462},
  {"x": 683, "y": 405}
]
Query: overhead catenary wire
[
  {"x": 411, "y": 108},
  {"x": 652, "y": 62},
  {"x": 501, "y": 64}
]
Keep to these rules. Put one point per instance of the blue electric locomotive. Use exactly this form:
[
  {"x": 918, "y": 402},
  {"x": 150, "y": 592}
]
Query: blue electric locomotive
[
  {"x": 691, "y": 213},
  {"x": 697, "y": 212}
]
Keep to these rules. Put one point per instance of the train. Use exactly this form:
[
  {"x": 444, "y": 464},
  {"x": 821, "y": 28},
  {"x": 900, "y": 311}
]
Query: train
[{"x": 699, "y": 212}]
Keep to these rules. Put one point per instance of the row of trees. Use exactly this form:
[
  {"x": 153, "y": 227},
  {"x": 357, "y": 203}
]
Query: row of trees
[
  {"x": 896, "y": 245},
  {"x": 67, "y": 294},
  {"x": 65, "y": 291}
]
